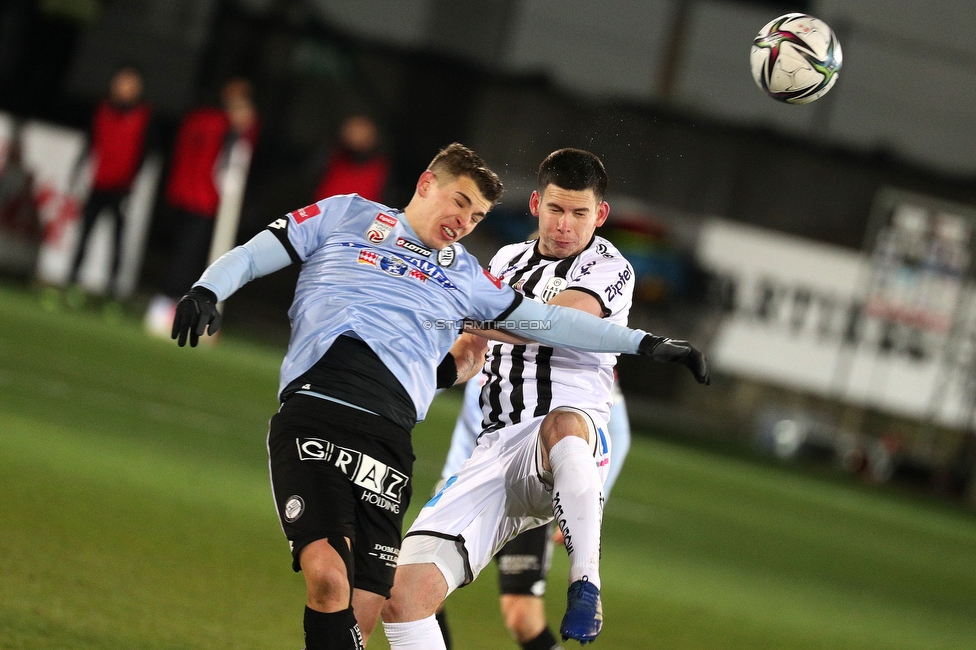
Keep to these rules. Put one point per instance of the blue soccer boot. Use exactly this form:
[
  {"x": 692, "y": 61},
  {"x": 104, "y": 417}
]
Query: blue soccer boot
[{"x": 584, "y": 612}]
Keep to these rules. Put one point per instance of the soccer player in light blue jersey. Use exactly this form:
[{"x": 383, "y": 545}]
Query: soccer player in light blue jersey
[{"x": 381, "y": 297}]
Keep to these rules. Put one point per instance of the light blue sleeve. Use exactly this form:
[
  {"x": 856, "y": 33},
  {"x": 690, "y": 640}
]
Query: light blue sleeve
[
  {"x": 261, "y": 255},
  {"x": 619, "y": 426},
  {"x": 565, "y": 327}
]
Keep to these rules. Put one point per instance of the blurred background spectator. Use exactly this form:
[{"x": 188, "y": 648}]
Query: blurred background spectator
[
  {"x": 20, "y": 229},
  {"x": 116, "y": 147},
  {"x": 200, "y": 158},
  {"x": 356, "y": 165}
]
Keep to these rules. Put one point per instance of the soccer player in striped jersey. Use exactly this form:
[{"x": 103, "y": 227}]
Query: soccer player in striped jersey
[
  {"x": 544, "y": 452},
  {"x": 524, "y": 562}
]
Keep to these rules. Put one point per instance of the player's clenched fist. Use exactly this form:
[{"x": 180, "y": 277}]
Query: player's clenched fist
[
  {"x": 683, "y": 352},
  {"x": 195, "y": 311}
]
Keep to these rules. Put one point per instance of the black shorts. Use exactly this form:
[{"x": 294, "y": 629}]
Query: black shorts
[
  {"x": 524, "y": 562},
  {"x": 338, "y": 471}
]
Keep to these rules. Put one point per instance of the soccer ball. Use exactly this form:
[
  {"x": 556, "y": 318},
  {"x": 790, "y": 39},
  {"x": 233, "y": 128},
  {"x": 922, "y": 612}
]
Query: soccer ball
[{"x": 795, "y": 58}]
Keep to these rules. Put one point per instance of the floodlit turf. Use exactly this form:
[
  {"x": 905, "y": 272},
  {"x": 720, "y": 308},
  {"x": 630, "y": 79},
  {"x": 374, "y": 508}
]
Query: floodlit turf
[{"x": 135, "y": 512}]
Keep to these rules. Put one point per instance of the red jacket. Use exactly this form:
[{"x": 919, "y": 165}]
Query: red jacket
[
  {"x": 345, "y": 175},
  {"x": 118, "y": 137},
  {"x": 200, "y": 141}
]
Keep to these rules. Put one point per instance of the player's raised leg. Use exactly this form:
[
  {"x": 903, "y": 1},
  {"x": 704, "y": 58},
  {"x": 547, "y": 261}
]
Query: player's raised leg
[{"x": 569, "y": 438}]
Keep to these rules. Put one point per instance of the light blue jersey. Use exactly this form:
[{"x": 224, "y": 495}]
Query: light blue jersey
[{"x": 366, "y": 274}]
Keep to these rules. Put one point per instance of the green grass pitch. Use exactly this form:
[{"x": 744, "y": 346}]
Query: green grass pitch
[{"x": 135, "y": 512}]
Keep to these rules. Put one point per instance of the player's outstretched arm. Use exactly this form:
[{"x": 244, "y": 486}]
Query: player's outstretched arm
[
  {"x": 572, "y": 328},
  {"x": 197, "y": 310},
  {"x": 660, "y": 348}
]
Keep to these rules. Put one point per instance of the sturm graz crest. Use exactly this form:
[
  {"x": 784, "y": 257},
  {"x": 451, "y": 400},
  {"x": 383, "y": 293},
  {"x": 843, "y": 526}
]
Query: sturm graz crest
[{"x": 446, "y": 256}]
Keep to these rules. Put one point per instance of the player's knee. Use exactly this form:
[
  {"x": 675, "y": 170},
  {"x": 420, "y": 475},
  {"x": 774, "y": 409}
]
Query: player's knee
[
  {"x": 561, "y": 424},
  {"x": 326, "y": 576},
  {"x": 524, "y": 616},
  {"x": 418, "y": 591}
]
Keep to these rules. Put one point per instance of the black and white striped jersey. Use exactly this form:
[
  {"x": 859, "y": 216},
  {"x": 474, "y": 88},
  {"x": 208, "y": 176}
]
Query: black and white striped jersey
[{"x": 525, "y": 381}]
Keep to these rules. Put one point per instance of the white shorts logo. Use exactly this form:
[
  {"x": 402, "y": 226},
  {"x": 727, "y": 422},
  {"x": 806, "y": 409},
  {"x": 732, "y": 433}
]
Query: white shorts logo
[{"x": 294, "y": 508}]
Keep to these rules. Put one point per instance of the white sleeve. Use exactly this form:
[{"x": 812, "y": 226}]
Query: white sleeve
[{"x": 608, "y": 278}]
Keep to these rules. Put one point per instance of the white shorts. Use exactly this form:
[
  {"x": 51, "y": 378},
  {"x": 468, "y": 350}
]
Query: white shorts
[{"x": 498, "y": 493}]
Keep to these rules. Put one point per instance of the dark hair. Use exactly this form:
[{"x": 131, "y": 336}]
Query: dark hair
[
  {"x": 457, "y": 160},
  {"x": 573, "y": 169}
]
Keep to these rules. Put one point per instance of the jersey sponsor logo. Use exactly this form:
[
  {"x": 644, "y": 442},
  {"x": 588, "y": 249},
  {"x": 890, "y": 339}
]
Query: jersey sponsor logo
[
  {"x": 306, "y": 213},
  {"x": 518, "y": 563},
  {"x": 603, "y": 250},
  {"x": 393, "y": 265},
  {"x": 495, "y": 281},
  {"x": 367, "y": 257},
  {"x": 412, "y": 247},
  {"x": 429, "y": 270},
  {"x": 446, "y": 256},
  {"x": 381, "y": 228},
  {"x": 432, "y": 271},
  {"x": 417, "y": 275},
  {"x": 382, "y": 485},
  {"x": 554, "y": 287},
  {"x": 279, "y": 224},
  {"x": 585, "y": 269},
  {"x": 501, "y": 276},
  {"x": 617, "y": 288},
  {"x": 294, "y": 507},
  {"x": 386, "y": 554}
]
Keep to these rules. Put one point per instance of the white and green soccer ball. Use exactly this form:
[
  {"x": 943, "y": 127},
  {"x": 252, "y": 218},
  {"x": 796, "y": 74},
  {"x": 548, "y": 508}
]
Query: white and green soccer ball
[{"x": 795, "y": 58}]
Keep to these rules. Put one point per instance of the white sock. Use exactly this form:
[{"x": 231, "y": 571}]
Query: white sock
[
  {"x": 577, "y": 503},
  {"x": 424, "y": 634}
]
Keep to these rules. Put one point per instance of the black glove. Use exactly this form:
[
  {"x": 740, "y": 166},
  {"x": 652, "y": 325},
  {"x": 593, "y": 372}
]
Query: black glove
[
  {"x": 683, "y": 352},
  {"x": 195, "y": 311}
]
